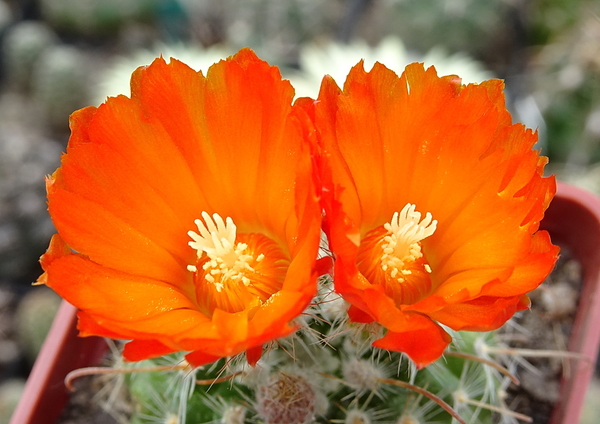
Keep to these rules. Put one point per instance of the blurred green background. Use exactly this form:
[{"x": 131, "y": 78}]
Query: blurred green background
[{"x": 59, "y": 55}]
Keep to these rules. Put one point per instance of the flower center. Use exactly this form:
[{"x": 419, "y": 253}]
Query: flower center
[
  {"x": 226, "y": 259},
  {"x": 402, "y": 245},
  {"x": 390, "y": 255},
  {"x": 234, "y": 272}
]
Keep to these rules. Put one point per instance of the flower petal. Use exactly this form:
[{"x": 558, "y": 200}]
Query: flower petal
[
  {"x": 481, "y": 314},
  {"x": 451, "y": 151},
  {"x": 423, "y": 345},
  {"x": 224, "y": 117},
  {"x": 139, "y": 171},
  {"x": 199, "y": 358},
  {"x": 116, "y": 153},
  {"x": 137, "y": 350},
  {"x": 110, "y": 293}
]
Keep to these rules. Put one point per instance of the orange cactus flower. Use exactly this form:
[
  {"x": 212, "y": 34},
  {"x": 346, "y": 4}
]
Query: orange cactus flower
[
  {"x": 433, "y": 200},
  {"x": 187, "y": 215}
]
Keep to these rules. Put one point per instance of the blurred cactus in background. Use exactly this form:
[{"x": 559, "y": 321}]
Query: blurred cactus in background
[
  {"x": 6, "y": 15},
  {"x": 60, "y": 84},
  {"x": 92, "y": 17},
  {"x": 275, "y": 29},
  {"x": 460, "y": 25},
  {"x": 25, "y": 157},
  {"x": 567, "y": 87},
  {"x": 10, "y": 393},
  {"x": 33, "y": 319},
  {"x": 24, "y": 43}
]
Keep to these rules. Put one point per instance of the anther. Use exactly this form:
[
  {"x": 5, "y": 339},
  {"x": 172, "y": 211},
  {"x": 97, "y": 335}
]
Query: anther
[
  {"x": 226, "y": 259},
  {"x": 402, "y": 244}
]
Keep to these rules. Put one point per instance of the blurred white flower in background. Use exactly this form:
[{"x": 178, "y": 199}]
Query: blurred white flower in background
[
  {"x": 335, "y": 59},
  {"x": 315, "y": 61}
]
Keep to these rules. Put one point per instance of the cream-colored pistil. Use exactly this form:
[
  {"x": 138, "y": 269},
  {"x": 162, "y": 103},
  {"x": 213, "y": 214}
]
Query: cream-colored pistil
[
  {"x": 402, "y": 244},
  {"x": 227, "y": 260}
]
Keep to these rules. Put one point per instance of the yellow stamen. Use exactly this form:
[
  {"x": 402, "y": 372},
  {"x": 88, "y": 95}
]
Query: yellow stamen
[
  {"x": 402, "y": 244},
  {"x": 227, "y": 260}
]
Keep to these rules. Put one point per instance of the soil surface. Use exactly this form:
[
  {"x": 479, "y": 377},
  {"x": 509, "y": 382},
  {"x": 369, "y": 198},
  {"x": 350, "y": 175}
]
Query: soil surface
[{"x": 82, "y": 406}]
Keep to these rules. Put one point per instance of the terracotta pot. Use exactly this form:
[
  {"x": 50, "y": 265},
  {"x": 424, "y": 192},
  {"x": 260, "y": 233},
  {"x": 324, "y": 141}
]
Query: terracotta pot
[
  {"x": 45, "y": 394},
  {"x": 573, "y": 220}
]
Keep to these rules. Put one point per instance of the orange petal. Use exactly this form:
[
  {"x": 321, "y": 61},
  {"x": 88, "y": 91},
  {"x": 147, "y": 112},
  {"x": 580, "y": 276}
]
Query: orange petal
[
  {"x": 110, "y": 241},
  {"x": 138, "y": 350},
  {"x": 126, "y": 167},
  {"x": 286, "y": 306},
  {"x": 57, "y": 249},
  {"x": 87, "y": 326},
  {"x": 324, "y": 266},
  {"x": 173, "y": 328},
  {"x": 424, "y": 345},
  {"x": 200, "y": 358},
  {"x": 232, "y": 327},
  {"x": 529, "y": 272},
  {"x": 481, "y": 314},
  {"x": 358, "y": 315},
  {"x": 253, "y": 354},
  {"x": 265, "y": 133},
  {"x": 113, "y": 294}
]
